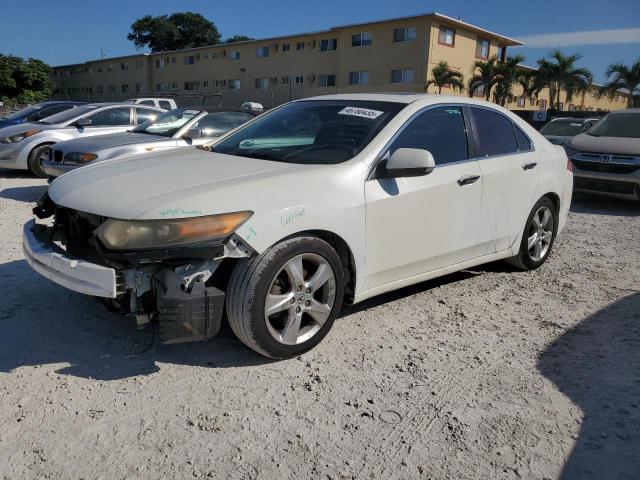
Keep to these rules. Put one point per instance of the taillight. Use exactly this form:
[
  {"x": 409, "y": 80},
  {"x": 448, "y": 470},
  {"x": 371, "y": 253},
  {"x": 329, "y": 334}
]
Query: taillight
[{"x": 569, "y": 165}]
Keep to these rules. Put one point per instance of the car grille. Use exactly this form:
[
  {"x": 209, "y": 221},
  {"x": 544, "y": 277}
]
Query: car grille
[
  {"x": 606, "y": 186},
  {"x": 596, "y": 162},
  {"x": 55, "y": 156}
]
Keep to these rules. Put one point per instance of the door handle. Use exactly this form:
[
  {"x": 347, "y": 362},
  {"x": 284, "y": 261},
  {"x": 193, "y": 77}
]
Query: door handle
[
  {"x": 468, "y": 180},
  {"x": 529, "y": 166}
]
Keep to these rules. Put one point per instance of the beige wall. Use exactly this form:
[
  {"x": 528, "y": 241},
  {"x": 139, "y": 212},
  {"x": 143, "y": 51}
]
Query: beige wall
[{"x": 213, "y": 67}]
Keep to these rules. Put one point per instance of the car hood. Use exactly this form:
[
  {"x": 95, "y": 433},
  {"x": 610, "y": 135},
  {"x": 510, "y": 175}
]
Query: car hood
[
  {"x": 558, "y": 139},
  {"x": 177, "y": 183},
  {"x": 24, "y": 127},
  {"x": 614, "y": 145},
  {"x": 100, "y": 142}
]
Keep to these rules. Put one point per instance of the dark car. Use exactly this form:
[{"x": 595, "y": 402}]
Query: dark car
[{"x": 39, "y": 111}]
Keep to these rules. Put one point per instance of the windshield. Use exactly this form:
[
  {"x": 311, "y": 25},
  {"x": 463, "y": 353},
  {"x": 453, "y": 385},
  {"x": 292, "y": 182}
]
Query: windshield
[
  {"x": 167, "y": 124},
  {"x": 311, "y": 132},
  {"x": 218, "y": 123},
  {"x": 618, "y": 125},
  {"x": 563, "y": 128},
  {"x": 24, "y": 112},
  {"x": 68, "y": 114}
]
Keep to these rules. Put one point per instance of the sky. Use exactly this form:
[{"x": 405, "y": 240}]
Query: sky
[{"x": 72, "y": 31}]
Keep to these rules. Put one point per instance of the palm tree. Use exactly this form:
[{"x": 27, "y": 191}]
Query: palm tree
[
  {"x": 558, "y": 72},
  {"x": 443, "y": 76},
  {"x": 623, "y": 77},
  {"x": 506, "y": 74},
  {"x": 528, "y": 81},
  {"x": 484, "y": 76}
]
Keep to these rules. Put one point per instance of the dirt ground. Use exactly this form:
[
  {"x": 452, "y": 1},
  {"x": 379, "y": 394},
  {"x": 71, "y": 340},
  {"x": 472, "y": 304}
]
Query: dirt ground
[{"x": 487, "y": 373}]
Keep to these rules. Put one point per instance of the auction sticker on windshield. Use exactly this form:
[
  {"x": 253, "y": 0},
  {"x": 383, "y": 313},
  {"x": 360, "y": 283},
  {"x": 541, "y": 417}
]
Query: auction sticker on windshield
[{"x": 361, "y": 112}]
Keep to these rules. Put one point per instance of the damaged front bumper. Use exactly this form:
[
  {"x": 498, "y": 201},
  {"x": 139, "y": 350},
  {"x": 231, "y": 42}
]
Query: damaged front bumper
[{"x": 177, "y": 297}]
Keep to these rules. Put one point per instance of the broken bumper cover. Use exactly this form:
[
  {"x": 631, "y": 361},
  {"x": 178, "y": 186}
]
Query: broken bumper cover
[{"x": 50, "y": 261}]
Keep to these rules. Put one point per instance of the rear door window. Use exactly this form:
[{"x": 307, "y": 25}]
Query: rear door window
[
  {"x": 524, "y": 144},
  {"x": 119, "y": 116},
  {"x": 495, "y": 133},
  {"x": 439, "y": 130},
  {"x": 146, "y": 114}
]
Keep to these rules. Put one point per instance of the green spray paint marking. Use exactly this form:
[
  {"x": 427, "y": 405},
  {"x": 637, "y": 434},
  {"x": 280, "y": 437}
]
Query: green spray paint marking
[
  {"x": 284, "y": 221},
  {"x": 179, "y": 212}
]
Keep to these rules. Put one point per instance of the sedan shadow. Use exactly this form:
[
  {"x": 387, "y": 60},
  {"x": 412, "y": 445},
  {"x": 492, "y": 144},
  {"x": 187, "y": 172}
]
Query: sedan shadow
[
  {"x": 597, "y": 365},
  {"x": 24, "y": 194},
  {"x": 43, "y": 323}
]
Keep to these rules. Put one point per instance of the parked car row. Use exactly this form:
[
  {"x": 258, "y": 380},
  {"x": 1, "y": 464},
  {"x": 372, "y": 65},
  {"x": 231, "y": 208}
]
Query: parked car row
[{"x": 280, "y": 220}]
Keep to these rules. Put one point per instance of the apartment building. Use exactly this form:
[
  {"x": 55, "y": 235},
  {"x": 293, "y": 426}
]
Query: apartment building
[{"x": 394, "y": 55}]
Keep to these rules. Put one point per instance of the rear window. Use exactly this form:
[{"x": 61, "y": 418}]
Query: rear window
[
  {"x": 164, "y": 104},
  {"x": 562, "y": 128},
  {"x": 24, "y": 112},
  {"x": 495, "y": 133}
]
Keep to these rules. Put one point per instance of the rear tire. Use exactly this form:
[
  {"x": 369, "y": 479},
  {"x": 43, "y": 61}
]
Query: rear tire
[
  {"x": 301, "y": 282},
  {"x": 538, "y": 236},
  {"x": 36, "y": 157}
]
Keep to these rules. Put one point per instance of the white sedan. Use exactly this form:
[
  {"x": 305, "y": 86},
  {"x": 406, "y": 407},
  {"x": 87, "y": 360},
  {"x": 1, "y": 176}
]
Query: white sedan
[{"x": 321, "y": 201}]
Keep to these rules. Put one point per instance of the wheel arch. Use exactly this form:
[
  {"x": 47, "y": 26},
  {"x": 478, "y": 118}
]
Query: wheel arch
[
  {"x": 343, "y": 250},
  {"x": 555, "y": 198}
]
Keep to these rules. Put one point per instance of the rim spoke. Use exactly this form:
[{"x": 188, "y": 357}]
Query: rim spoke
[
  {"x": 322, "y": 276},
  {"x": 295, "y": 271},
  {"x": 319, "y": 311},
  {"x": 292, "y": 328},
  {"x": 532, "y": 240},
  {"x": 538, "y": 250},
  {"x": 546, "y": 215},
  {"x": 547, "y": 236},
  {"x": 277, "y": 303},
  {"x": 536, "y": 221}
]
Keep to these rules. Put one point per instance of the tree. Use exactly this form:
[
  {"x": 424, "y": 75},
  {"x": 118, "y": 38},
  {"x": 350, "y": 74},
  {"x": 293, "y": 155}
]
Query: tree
[
  {"x": 24, "y": 81},
  {"x": 238, "y": 38},
  {"x": 444, "y": 76},
  {"x": 620, "y": 76},
  {"x": 484, "y": 76},
  {"x": 559, "y": 72},
  {"x": 527, "y": 79},
  {"x": 506, "y": 75},
  {"x": 173, "y": 32}
]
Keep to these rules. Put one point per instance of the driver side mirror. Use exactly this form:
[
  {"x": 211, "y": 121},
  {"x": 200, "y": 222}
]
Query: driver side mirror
[
  {"x": 192, "y": 134},
  {"x": 83, "y": 122},
  {"x": 408, "y": 162}
]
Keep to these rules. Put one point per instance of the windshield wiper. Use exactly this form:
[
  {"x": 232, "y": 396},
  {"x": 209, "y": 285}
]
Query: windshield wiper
[{"x": 259, "y": 156}]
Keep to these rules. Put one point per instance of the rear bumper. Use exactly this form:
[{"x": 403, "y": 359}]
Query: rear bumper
[{"x": 50, "y": 261}]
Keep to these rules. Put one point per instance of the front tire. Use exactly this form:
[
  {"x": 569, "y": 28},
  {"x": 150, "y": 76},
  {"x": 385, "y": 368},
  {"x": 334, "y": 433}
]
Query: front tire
[
  {"x": 538, "y": 236},
  {"x": 284, "y": 302},
  {"x": 36, "y": 157}
]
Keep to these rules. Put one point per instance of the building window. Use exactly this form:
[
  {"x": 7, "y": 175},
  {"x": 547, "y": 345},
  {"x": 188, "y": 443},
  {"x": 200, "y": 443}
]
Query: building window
[
  {"x": 407, "y": 34},
  {"x": 286, "y": 47},
  {"x": 479, "y": 91},
  {"x": 447, "y": 36},
  {"x": 299, "y": 79},
  {"x": 205, "y": 84},
  {"x": 189, "y": 60},
  {"x": 262, "y": 52},
  {"x": 124, "y": 66},
  {"x": 262, "y": 83},
  {"x": 191, "y": 85},
  {"x": 358, "y": 78},
  {"x": 560, "y": 106},
  {"x": 361, "y": 39},
  {"x": 138, "y": 87},
  {"x": 110, "y": 68},
  {"x": 285, "y": 80},
  {"x": 139, "y": 65},
  {"x": 235, "y": 55},
  {"x": 99, "y": 89},
  {"x": 405, "y": 75},
  {"x": 327, "y": 80},
  {"x": 112, "y": 89},
  {"x": 234, "y": 84},
  {"x": 328, "y": 44},
  {"x": 299, "y": 45},
  {"x": 482, "y": 48},
  {"x": 520, "y": 102},
  {"x": 532, "y": 102},
  {"x": 542, "y": 104}
]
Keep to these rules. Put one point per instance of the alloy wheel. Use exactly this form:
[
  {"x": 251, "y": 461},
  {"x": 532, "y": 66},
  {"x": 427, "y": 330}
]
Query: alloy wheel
[
  {"x": 540, "y": 234},
  {"x": 300, "y": 299}
]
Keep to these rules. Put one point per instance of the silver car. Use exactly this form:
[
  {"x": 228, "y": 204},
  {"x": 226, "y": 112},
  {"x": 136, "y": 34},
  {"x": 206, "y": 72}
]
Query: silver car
[
  {"x": 606, "y": 159},
  {"x": 560, "y": 131},
  {"x": 177, "y": 128},
  {"x": 26, "y": 146}
]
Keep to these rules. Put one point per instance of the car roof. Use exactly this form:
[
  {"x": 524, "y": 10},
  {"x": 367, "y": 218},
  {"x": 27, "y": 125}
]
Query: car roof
[
  {"x": 627, "y": 110},
  {"x": 119, "y": 104},
  {"x": 405, "y": 97},
  {"x": 230, "y": 110}
]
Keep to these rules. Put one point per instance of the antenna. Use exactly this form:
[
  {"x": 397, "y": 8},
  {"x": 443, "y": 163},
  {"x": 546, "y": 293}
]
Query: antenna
[{"x": 101, "y": 54}]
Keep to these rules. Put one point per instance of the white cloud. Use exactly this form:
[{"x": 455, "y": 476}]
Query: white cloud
[{"x": 591, "y": 37}]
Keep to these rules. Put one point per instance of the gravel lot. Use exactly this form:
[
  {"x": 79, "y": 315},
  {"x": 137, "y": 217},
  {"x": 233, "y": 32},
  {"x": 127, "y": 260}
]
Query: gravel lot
[{"x": 488, "y": 373}]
